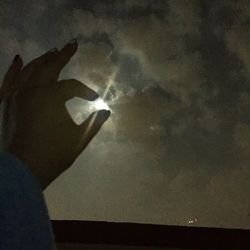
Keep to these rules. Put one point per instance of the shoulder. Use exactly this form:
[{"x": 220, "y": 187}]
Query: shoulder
[{"x": 23, "y": 211}]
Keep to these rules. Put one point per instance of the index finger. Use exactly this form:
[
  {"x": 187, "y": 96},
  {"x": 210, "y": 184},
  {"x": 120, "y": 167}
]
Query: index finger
[
  {"x": 64, "y": 55},
  {"x": 49, "y": 71}
]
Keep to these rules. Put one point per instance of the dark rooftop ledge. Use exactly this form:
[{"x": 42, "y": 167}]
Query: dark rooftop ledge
[{"x": 113, "y": 233}]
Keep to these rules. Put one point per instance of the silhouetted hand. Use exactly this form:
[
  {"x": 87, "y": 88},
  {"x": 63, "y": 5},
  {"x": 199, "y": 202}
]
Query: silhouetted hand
[{"x": 36, "y": 125}]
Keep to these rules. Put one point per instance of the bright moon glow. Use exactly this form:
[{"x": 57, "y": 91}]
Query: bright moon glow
[
  {"x": 100, "y": 104},
  {"x": 80, "y": 109}
]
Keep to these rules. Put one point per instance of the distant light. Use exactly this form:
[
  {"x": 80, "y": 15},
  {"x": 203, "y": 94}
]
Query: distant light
[{"x": 192, "y": 221}]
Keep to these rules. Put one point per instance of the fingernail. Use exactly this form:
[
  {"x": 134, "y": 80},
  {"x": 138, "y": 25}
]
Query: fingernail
[
  {"x": 73, "y": 41},
  {"x": 103, "y": 115},
  {"x": 17, "y": 62},
  {"x": 16, "y": 58},
  {"x": 93, "y": 95},
  {"x": 53, "y": 50}
]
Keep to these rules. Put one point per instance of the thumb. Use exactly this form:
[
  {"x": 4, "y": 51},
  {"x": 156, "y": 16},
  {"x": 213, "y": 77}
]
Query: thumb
[{"x": 90, "y": 127}]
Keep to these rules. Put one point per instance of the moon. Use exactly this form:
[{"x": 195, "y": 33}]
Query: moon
[{"x": 100, "y": 104}]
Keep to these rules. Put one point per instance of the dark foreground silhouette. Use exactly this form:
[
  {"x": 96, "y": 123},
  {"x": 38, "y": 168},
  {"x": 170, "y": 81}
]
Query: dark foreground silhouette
[
  {"x": 83, "y": 233},
  {"x": 39, "y": 142}
]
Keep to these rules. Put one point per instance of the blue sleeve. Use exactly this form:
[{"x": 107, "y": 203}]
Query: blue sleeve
[{"x": 24, "y": 219}]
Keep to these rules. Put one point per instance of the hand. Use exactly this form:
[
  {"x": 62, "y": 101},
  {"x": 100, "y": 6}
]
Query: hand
[{"x": 36, "y": 125}]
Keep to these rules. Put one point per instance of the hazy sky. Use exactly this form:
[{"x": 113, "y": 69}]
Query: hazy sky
[{"x": 176, "y": 149}]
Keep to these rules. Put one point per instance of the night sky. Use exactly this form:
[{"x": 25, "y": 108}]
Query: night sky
[{"x": 176, "y": 149}]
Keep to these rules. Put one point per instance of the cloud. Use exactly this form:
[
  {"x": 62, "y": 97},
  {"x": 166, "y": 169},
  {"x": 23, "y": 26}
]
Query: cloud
[
  {"x": 237, "y": 32},
  {"x": 137, "y": 3},
  {"x": 139, "y": 117},
  {"x": 176, "y": 147},
  {"x": 242, "y": 137},
  {"x": 160, "y": 47},
  {"x": 86, "y": 23},
  {"x": 12, "y": 44},
  {"x": 238, "y": 42},
  {"x": 93, "y": 64}
]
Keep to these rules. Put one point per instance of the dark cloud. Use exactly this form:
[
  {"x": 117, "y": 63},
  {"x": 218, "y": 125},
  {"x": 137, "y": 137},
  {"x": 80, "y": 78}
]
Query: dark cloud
[{"x": 177, "y": 145}]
